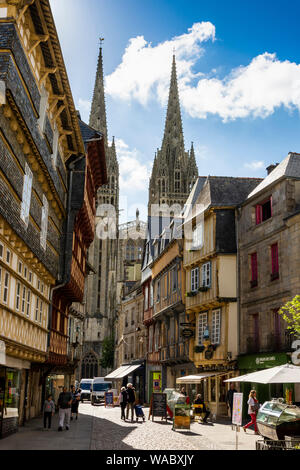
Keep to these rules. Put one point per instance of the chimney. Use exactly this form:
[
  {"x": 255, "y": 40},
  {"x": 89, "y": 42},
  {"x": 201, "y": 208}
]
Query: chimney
[{"x": 272, "y": 167}]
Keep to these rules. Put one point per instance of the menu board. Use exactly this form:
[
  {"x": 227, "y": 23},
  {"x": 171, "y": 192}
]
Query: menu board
[
  {"x": 182, "y": 417},
  {"x": 109, "y": 399},
  {"x": 159, "y": 405},
  {"x": 237, "y": 411}
]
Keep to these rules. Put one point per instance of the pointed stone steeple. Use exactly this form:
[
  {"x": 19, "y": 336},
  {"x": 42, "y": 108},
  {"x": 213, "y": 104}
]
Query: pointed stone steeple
[
  {"x": 173, "y": 136},
  {"x": 171, "y": 174},
  {"x": 98, "y": 110}
]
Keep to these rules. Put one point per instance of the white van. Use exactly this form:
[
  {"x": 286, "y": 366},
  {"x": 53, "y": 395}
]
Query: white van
[
  {"x": 98, "y": 389},
  {"x": 85, "y": 387}
]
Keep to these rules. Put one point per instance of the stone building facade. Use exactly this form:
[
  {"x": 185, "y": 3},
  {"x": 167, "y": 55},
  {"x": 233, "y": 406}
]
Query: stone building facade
[
  {"x": 101, "y": 297},
  {"x": 268, "y": 231}
]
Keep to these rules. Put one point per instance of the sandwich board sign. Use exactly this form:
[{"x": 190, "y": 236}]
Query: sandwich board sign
[
  {"x": 237, "y": 412},
  {"x": 158, "y": 406},
  {"x": 109, "y": 399},
  {"x": 182, "y": 417}
]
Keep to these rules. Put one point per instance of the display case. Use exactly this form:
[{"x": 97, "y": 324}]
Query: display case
[{"x": 276, "y": 420}]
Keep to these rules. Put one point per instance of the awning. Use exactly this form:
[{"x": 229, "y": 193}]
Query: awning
[
  {"x": 121, "y": 372},
  {"x": 285, "y": 374},
  {"x": 197, "y": 378}
]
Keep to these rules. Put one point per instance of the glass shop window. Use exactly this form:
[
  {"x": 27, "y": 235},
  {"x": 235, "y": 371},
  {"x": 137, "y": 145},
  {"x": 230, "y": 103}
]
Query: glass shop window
[
  {"x": 213, "y": 389},
  {"x": 12, "y": 394}
]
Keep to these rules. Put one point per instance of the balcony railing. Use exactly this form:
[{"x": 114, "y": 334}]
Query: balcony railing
[
  {"x": 174, "y": 352},
  {"x": 167, "y": 301}
]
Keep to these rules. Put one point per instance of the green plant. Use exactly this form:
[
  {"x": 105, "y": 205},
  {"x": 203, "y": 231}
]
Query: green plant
[
  {"x": 199, "y": 349},
  {"x": 203, "y": 289},
  {"x": 191, "y": 294},
  {"x": 290, "y": 312},
  {"x": 108, "y": 350}
]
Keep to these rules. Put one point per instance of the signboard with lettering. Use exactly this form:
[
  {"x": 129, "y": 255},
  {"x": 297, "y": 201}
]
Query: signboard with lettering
[
  {"x": 187, "y": 333},
  {"x": 237, "y": 412},
  {"x": 109, "y": 399},
  {"x": 182, "y": 417},
  {"x": 158, "y": 407}
]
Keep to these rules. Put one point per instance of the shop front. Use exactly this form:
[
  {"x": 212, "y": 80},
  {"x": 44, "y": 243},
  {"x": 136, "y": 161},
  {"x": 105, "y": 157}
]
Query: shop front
[
  {"x": 131, "y": 373},
  {"x": 154, "y": 377},
  {"x": 256, "y": 362},
  {"x": 10, "y": 394}
]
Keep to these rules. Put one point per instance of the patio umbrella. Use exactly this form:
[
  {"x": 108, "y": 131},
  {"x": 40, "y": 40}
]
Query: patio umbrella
[{"x": 285, "y": 374}]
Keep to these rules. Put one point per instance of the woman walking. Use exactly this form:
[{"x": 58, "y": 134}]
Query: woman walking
[
  {"x": 75, "y": 402},
  {"x": 123, "y": 402},
  {"x": 253, "y": 407}
]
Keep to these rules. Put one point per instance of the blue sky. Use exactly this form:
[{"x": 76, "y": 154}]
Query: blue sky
[{"x": 239, "y": 79}]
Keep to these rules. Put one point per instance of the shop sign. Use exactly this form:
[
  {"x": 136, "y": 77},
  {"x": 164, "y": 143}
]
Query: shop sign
[
  {"x": 187, "y": 333},
  {"x": 2, "y": 353},
  {"x": 262, "y": 361},
  {"x": 158, "y": 406},
  {"x": 109, "y": 399}
]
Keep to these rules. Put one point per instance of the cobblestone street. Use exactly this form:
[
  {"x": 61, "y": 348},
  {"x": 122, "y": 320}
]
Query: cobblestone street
[{"x": 102, "y": 429}]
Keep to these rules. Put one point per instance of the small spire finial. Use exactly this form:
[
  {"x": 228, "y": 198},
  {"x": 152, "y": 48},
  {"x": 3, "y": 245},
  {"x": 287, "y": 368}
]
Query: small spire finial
[{"x": 101, "y": 41}]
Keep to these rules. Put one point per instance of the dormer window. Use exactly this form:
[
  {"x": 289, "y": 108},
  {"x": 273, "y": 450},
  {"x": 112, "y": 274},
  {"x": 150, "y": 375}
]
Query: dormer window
[{"x": 264, "y": 211}]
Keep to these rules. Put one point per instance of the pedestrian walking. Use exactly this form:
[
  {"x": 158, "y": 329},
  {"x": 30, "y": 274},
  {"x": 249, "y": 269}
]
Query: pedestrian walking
[
  {"x": 75, "y": 402},
  {"x": 229, "y": 398},
  {"x": 64, "y": 405},
  {"x": 130, "y": 401},
  {"x": 123, "y": 397},
  {"x": 253, "y": 407},
  {"x": 183, "y": 392},
  {"x": 49, "y": 410}
]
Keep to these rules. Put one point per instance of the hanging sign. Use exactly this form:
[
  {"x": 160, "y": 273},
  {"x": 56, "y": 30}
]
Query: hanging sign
[
  {"x": 182, "y": 417},
  {"x": 2, "y": 353},
  {"x": 187, "y": 333}
]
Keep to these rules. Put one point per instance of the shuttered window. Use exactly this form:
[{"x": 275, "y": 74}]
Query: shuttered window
[
  {"x": 195, "y": 279},
  {"x": 206, "y": 275}
]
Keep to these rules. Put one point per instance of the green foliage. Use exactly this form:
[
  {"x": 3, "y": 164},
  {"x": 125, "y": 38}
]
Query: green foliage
[
  {"x": 108, "y": 350},
  {"x": 291, "y": 314}
]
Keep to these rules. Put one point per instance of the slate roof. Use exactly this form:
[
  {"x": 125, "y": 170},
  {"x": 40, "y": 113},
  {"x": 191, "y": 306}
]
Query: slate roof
[
  {"x": 288, "y": 168},
  {"x": 88, "y": 133},
  {"x": 229, "y": 191}
]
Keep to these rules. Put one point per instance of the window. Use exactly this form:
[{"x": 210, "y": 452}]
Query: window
[
  {"x": 198, "y": 237},
  {"x": 195, "y": 279},
  {"x": 37, "y": 309},
  {"x": 41, "y": 313},
  {"x": 202, "y": 324},
  {"x": 30, "y": 277},
  {"x": 1, "y": 251},
  {"x": 20, "y": 267},
  {"x": 174, "y": 280},
  {"x": 256, "y": 331},
  {"x": 216, "y": 327},
  {"x": 28, "y": 303},
  {"x": 8, "y": 256},
  {"x": 263, "y": 211},
  {"x": 5, "y": 288},
  {"x": 158, "y": 292},
  {"x": 44, "y": 224},
  {"x": 206, "y": 275},
  {"x": 177, "y": 181},
  {"x": 18, "y": 296},
  {"x": 130, "y": 251},
  {"x": 151, "y": 338},
  {"x": 156, "y": 338},
  {"x": 275, "y": 263},
  {"x": 23, "y": 300},
  {"x": 254, "y": 271},
  {"x": 26, "y": 198},
  {"x": 55, "y": 146},
  {"x": 146, "y": 298},
  {"x": 0, "y": 280},
  {"x": 151, "y": 295},
  {"x": 25, "y": 272}
]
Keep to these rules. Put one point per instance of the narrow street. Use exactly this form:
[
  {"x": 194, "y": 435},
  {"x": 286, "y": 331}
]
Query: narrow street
[{"x": 102, "y": 429}]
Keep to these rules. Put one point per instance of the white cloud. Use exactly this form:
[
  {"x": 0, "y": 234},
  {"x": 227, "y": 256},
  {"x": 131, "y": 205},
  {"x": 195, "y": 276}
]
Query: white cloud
[
  {"x": 134, "y": 175},
  {"x": 84, "y": 108},
  {"x": 145, "y": 69},
  {"x": 255, "y": 90},
  {"x": 255, "y": 165}
]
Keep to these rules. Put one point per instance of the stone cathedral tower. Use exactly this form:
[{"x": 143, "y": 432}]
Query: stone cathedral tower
[
  {"x": 102, "y": 284},
  {"x": 174, "y": 170}
]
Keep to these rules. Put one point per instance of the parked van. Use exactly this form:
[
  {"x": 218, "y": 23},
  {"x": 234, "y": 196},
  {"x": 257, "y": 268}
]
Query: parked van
[
  {"x": 98, "y": 389},
  {"x": 85, "y": 387}
]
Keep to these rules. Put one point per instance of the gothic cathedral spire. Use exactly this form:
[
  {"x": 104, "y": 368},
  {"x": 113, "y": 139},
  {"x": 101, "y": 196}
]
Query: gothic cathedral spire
[
  {"x": 98, "y": 110},
  {"x": 174, "y": 169}
]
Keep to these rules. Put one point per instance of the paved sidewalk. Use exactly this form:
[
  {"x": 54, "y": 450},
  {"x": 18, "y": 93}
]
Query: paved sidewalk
[
  {"x": 33, "y": 437},
  {"x": 100, "y": 428}
]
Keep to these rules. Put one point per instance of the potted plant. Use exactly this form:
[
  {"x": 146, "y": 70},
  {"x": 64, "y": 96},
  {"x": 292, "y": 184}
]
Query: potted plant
[
  {"x": 199, "y": 349},
  {"x": 191, "y": 294},
  {"x": 203, "y": 289}
]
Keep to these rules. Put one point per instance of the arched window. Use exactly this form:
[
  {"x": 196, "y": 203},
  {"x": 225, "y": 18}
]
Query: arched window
[
  {"x": 89, "y": 368},
  {"x": 177, "y": 181}
]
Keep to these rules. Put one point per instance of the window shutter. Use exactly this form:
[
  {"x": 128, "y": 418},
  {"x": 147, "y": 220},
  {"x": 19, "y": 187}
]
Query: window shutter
[
  {"x": 275, "y": 265},
  {"x": 258, "y": 214},
  {"x": 254, "y": 266}
]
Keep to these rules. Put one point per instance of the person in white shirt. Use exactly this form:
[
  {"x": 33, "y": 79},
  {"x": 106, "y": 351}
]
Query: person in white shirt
[{"x": 253, "y": 407}]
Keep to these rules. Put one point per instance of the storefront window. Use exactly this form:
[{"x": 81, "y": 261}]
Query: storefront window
[
  {"x": 213, "y": 389},
  {"x": 12, "y": 394}
]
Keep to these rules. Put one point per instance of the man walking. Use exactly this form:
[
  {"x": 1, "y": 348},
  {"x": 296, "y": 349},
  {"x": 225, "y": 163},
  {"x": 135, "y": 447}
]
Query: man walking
[
  {"x": 130, "y": 401},
  {"x": 229, "y": 398},
  {"x": 64, "y": 405}
]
